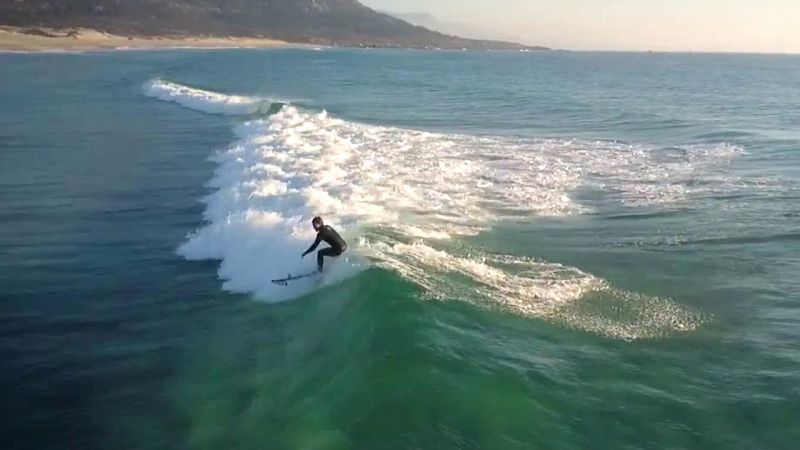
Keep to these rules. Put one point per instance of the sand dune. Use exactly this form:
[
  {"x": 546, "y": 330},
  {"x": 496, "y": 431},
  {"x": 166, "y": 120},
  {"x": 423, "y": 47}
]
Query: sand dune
[{"x": 45, "y": 39}]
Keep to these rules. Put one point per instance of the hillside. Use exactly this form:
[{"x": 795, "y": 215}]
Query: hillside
[
  {"x": 328, "y": 22},
  {"x": 454, "y": 28}
]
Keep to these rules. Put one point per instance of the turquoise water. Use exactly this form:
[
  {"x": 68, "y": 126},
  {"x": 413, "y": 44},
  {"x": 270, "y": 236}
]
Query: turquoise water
[{"x": 551, "y": 250}]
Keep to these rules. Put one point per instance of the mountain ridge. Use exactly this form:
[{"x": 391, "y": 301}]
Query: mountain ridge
[
  {"x": 453, "y": 28},
  {"x": 320, "y": 22}
]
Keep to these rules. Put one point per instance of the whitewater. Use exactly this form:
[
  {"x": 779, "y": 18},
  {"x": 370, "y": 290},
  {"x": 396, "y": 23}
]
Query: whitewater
[{"x": 409, "y": 201}]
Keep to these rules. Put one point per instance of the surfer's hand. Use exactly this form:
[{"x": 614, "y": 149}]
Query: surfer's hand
[{"x": 303, "y": 255}]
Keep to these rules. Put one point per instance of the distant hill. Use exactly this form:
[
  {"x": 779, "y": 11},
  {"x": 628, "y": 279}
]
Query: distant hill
[
  {"x": 465, "y": 30},
  {"x": 326, "y": 22},
  {"x": 420, "y": 19}
]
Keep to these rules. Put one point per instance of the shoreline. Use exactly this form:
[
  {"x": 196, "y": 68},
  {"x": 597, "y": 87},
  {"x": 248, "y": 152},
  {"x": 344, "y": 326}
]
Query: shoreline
[{"x": 52, "y": 40}]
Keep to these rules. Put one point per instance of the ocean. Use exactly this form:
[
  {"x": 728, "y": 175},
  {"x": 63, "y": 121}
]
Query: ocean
[{"x": 546, "y": 250}]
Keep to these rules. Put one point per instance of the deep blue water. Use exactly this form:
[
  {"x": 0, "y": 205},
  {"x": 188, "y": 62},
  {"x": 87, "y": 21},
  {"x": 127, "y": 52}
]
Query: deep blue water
[{"x": 549, "y": 250}]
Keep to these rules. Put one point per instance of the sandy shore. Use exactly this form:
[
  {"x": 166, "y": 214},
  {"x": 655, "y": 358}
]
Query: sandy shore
[{"x": 44, "y": 40}]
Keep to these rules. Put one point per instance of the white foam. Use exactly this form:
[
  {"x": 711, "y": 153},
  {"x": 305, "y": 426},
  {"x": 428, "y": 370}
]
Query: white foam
[
  {"x": 537, "y": 289},
  {"x": 204, "y": 101},
  {"x": 402, "y": 197}
]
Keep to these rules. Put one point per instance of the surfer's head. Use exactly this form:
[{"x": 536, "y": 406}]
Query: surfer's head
[{"x": 317, "y": 223}]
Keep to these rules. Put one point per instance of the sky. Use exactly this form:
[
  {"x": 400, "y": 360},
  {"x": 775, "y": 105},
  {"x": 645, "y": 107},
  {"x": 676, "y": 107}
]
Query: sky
[{"x": 761, "y": 26}]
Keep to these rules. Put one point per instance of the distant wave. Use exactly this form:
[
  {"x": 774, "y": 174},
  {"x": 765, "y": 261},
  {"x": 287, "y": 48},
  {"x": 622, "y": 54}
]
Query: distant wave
[
  {"x": 207, "y": 101},
  {"x": 735, "y": 240}
]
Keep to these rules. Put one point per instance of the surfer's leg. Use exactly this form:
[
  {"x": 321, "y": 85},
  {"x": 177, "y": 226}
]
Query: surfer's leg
[
  {"x": 320, "y": 255},
  {"x": 326, "y": 252}
]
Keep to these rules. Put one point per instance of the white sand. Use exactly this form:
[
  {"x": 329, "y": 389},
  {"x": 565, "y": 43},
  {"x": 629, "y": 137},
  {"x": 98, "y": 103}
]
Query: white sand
[{"x": 13, "y": 39}]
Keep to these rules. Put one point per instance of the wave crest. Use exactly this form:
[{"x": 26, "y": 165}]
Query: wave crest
[{"x": 206, "y": 101}]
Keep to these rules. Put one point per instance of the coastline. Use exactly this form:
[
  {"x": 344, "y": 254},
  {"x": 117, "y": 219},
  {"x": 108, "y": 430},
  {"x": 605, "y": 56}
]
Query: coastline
[{"x": 41, "y": 39}]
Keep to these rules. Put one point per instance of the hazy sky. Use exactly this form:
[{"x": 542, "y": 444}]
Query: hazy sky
[{"x": 682, "y": 25}]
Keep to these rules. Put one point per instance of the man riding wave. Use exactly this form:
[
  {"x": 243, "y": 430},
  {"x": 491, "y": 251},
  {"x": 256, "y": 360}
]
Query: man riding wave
[{"x": 331, "y": 237}]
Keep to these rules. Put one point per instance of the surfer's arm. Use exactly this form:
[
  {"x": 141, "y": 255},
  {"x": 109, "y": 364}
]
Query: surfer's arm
[{"x": 314, "y": 245}]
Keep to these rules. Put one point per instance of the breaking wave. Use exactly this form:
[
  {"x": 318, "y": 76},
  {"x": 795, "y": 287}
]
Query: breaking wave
[
  {"x": 404, "y": 197},
  {"x": 207, "y": 101}
]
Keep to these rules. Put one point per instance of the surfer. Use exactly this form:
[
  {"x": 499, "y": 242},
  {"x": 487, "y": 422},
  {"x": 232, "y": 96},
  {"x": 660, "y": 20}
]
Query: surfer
[{"x": 330, "y": 236}]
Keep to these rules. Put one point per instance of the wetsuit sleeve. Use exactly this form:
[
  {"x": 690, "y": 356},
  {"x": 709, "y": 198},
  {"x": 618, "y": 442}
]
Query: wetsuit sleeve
[{"x": 314, "y": 245}]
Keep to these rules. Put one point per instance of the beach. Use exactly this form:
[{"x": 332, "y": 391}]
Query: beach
[{"x": 40, "y": 39}]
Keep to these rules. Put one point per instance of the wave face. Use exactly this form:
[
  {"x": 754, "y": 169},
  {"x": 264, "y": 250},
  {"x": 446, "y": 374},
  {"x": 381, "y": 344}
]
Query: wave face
[
  {"x": 206, "y": 101},
  {"x": 403, "y": 198}
]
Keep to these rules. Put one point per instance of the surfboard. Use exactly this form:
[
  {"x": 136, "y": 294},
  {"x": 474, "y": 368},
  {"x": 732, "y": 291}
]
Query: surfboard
[{"x": 290, "y": 277}]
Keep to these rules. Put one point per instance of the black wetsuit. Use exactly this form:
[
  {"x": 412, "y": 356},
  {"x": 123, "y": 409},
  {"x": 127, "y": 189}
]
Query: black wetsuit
[{"x": 332, "y": 238}]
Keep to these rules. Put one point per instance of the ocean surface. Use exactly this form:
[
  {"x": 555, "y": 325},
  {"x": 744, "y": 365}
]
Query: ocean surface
[{"x": 547, "y": 250}]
